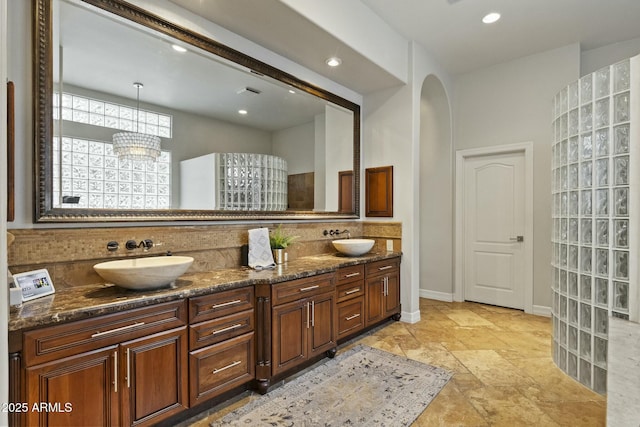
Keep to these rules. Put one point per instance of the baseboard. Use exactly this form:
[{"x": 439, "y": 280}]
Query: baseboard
[
  {"x": 541, "y": 310},
  {"x": 407, "y": 317},
  {"x": 438, "y": 296}
]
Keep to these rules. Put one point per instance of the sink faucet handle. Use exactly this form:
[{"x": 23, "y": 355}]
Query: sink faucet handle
[{"x": 146, "y": 244}]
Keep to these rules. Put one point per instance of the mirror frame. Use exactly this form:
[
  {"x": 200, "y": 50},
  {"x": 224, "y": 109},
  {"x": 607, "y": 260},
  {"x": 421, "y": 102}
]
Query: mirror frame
[{"x": 43, "y": 124}]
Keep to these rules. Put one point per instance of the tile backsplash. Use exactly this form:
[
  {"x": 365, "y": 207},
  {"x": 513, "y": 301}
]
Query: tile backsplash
[{"x": 70, "y": 254}]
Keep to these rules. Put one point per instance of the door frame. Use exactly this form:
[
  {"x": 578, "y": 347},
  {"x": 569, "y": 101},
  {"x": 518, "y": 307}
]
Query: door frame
[{"x": 461, "y": 156}]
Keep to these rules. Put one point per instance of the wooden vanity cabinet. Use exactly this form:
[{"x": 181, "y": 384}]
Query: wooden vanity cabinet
[
  {"x": 221, "y": 343},
  {"x": 350, "y": 291},
  {"x": 128, "y": 368},
  {"x": 303, "y": 323},
  {"x": 382, "y": 290}
]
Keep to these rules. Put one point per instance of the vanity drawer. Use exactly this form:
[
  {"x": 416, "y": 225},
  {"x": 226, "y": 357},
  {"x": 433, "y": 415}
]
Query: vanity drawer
[
  {"x": 220, "y": 304},
  {"x": 214, "y": 331},
  {"x": 350, "y": 316},
  {"x": 350, "y": 274},
  {"x": 382, "y": 267},
  {"x": 350, "y": 290},
  {"x": 221, "y": 367},
  {"x": 296, "y": 289},
  {"x": 55, "y": 342}
]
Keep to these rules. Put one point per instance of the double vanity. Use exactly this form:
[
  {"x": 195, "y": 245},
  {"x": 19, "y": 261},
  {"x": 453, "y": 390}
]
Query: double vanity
[{"x": 103, "y": 355}]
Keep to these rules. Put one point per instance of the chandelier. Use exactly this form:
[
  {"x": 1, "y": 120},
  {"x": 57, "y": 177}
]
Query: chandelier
[{"x": 136, "y": 145}]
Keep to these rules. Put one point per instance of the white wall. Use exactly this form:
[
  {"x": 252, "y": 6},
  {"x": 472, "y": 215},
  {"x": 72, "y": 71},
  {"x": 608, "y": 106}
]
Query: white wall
[
  {"x": 338, "y": 151},
  {"x": 391, "y": 136},
  {"x": 319, "y": 163},
  {"x": 4, "y": 314},
  {"x": 594, "y": 59},
  {"x": 296, "y": 144},
  {"x": 511, "y": 103},
  {"x": 19, "y": 71}
]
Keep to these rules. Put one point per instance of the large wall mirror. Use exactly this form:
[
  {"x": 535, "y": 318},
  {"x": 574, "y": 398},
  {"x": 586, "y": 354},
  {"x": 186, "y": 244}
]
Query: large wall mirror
[{"x": 209, "y": 133}]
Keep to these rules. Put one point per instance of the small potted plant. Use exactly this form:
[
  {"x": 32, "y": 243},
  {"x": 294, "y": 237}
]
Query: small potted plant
[{"x": 279, "y": 242}]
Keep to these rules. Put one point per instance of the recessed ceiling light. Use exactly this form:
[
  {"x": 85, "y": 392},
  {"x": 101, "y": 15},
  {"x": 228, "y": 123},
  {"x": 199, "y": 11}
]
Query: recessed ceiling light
[
  {"x": 243, "y": 112},
  {"x": 178, "y": 48},
  {"x": 334, "y": 61},
  {"x": 490, "y": 18},
  {"x": 292, "y": 91}
]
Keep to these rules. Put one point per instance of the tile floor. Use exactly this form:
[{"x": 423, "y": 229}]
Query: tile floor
[{"x": 503, "y": 372}]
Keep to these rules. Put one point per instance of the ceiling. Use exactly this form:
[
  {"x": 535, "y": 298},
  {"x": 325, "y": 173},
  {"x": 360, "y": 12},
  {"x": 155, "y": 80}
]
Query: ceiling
[
  {"x": 453, "y": 32},
  {"x": 277, "y": 27},
  {"x": 108, "y": 55},
  {"x": 450, "y": 30}
]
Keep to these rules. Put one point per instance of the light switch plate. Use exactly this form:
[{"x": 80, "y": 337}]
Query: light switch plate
[{"x": 389, "y": 245}]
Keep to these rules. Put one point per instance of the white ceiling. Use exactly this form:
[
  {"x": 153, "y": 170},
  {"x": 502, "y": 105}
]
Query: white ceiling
[
  {"x": 451, "y": 30},
  {"x": 109, "y": 55},
  {"x": 275, "y": 26}
]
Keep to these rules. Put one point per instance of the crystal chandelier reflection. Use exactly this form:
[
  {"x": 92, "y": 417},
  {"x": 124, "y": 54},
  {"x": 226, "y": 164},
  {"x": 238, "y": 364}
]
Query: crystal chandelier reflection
[{"x": 136, "y": 145}]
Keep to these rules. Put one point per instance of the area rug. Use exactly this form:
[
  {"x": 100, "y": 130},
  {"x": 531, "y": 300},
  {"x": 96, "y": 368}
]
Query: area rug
[{"x": 363, "y": 386}]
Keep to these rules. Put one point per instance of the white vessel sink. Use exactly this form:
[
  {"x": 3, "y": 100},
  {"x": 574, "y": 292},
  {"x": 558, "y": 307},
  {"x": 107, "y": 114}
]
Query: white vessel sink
[
  {"x": 144, "y": 273},
  {"x": 353, "y": 247}
]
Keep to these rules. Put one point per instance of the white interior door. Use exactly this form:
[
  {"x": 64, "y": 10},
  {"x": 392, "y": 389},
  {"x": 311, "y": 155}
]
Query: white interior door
[{"x": 494, "y": 229}]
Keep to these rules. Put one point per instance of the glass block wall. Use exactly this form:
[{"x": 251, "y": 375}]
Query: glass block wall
[
  {"x": 90, "y": 172},
  {"x": 251, "y": 182},
  {"x": 592, "y": 152}
]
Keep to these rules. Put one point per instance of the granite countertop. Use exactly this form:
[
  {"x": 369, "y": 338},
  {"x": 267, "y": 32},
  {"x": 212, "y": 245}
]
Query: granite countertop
[{"x": 81, "y": 302}]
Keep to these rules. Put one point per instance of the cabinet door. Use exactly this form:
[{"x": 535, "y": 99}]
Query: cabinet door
[
  {"x": 322, "y": 333},
  {"x": 375, "y": 300},
  {"x": 392, "y": 300},
  {"x": 289, "y": 341},
  {"x": 80, "y": 390},
  {"x": 155, "y": 376}
]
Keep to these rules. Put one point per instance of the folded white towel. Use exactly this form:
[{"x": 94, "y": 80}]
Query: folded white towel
[{"x": 260, "y": 255}]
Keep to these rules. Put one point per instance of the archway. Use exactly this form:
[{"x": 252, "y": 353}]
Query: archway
[{"x": 436, "y": 192}]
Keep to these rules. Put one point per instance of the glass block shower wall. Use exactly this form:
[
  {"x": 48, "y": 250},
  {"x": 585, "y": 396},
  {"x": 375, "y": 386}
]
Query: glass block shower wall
[
  {"x": 251, "y": 182},
  {"x": 592, "y": 241}
]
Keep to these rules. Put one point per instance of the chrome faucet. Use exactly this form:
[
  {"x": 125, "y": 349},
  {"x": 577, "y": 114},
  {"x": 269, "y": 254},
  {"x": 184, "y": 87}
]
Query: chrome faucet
[{"x": 146, "y": 244}]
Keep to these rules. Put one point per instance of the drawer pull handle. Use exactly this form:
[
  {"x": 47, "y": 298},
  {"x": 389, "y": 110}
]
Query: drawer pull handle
[
  {"x": 352, "y": 317},
  {"x": 224, "y": 304},
  {"x": 229, "y": 328},
  {"x": 352, "y": 291},
  {"x": 224, "y": 368},
  {"x": 386, "y": 267},
  {"x": 111, "y": 331},
  {"x": 313, "y": 314},
  {"x": 352, "y": 274},
  {"x": 309, "y": 288}
]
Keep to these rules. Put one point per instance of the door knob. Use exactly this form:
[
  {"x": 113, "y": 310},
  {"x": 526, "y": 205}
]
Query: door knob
[{"x": 517, "y": 239}]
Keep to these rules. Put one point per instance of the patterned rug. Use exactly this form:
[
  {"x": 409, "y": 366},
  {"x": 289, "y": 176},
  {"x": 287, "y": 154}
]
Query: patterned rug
[{"x": 363, "y": 386}]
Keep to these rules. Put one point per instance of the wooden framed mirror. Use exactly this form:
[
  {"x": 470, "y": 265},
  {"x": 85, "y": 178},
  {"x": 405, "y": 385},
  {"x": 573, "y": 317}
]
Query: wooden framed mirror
[{"x": 88, "y": 53}]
